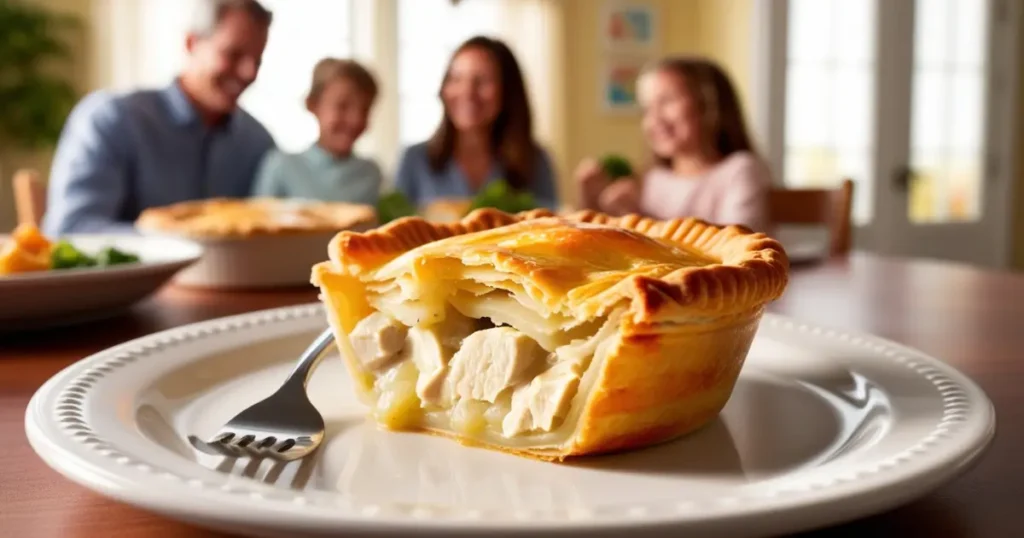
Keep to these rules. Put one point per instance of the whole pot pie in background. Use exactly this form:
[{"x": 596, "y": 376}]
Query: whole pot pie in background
[
  {"x": 255, "y": 242},
  {"x": 548, "y": 336}
]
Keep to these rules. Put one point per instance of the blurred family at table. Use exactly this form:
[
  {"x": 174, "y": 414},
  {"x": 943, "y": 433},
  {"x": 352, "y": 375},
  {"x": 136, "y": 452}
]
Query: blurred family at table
[{"x": 122, "y": 153}]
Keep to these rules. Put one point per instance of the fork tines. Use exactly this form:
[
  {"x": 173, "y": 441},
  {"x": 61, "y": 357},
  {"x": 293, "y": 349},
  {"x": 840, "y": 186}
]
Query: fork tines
[{"x": 235, "y": 446}]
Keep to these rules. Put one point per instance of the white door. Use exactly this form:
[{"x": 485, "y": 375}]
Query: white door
[{"x": 913, "y": 100}]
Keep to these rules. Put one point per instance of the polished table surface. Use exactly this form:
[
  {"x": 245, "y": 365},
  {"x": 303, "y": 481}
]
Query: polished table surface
[{"x": 971, "y": 318}]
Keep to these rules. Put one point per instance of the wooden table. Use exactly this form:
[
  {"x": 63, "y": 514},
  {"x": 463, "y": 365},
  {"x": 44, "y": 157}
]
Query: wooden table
[{"x": 971, "y": 318}]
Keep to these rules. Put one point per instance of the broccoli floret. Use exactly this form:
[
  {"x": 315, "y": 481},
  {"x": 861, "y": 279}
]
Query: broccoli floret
[
  {"x": 112, "y": 256},
  {"x": 392, "y": 206},
  {"x": 65, "y": 256},
  {"x": 616, "y": 167},
  {"x": 500, "y": 195}
]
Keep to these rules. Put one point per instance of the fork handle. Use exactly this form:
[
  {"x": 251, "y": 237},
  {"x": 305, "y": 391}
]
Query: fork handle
[{"x": 311, "y": 358}]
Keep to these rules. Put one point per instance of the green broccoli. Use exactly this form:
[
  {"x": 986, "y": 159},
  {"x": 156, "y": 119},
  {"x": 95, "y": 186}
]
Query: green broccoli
[
  {"x": 616, "y": 166},
  {"x": 392, "y": 206},
  {"x": 112, "y": 256},
  {"x": 500, "y": 195},
  {"x": 65, "y": 256}
]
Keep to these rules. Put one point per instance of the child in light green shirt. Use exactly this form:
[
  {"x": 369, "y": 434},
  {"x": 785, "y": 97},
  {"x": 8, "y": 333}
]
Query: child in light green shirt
[{"x": 341, "y": 97}]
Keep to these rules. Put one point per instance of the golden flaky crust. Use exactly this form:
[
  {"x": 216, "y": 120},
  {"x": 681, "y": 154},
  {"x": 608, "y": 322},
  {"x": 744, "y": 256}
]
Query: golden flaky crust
[
  {"x": 237, "y": 217},
  {"x": 659, "y": 385},
  {"x": 745, "y": 269},
  {"x": 362, "y": 251}
]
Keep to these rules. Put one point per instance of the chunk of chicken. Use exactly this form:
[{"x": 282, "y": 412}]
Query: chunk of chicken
[
  {"x": 378, "y": 339},
  {"x": 544, "y": 402},
  {"x": 491, "y": 361},
  {"x": 425, "y": 349},
  {"x": 430, "y": 349}
]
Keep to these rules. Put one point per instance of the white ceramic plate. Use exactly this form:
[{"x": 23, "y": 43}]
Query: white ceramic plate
[
  {"x": 51, "y": 298},
  {"x": 823, "y": 426}
]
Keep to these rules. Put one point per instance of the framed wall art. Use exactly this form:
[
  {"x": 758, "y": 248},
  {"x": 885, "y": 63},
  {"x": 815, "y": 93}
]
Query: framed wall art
[
  {"x": 629, "y": 26},
  {"x": 619, "y": 75}
]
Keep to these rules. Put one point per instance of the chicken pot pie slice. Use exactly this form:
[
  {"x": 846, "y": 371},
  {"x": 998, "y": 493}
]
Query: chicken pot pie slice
[{"x": 548, "y": 336}]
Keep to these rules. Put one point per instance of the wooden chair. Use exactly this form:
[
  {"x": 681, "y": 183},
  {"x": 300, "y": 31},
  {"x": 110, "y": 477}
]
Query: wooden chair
[
  {"x": 831, "y": 207},
  {"x": 29, "y": 197}
]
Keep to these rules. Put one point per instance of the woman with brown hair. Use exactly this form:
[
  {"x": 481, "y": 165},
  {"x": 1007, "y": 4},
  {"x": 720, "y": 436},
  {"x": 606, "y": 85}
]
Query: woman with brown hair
[
  {"x": 704, "y": 164},
  {"x": 486, "y": 133}
]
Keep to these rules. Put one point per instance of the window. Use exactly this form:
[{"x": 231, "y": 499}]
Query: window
[
  {"x": 948, "y": 111},
  {"x": 301, "y": 35},
  {"x": 830, "y": 96},
  {"x": 139, "y": 45},
  {"x": 924, "y": 86},
  {"x": 161, "y": 28},
  {"x": 428, "y": 32}
]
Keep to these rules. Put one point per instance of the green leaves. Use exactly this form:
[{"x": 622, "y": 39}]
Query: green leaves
[
  {"x": 499, "y": 195},
  {"x": 392, "y": 206},
  {"x": 616, "y": 166},
  {"x": 30, "y": 34},
  {"x": 32, "y": 112},
  {"x": 33, "y": 102}
]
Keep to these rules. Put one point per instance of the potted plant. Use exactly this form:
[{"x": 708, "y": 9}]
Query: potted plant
[{"x": 35, "y": 97}]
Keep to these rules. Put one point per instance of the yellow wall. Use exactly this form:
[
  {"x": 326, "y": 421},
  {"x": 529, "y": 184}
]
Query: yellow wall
[{"x": 724, "y": 34}]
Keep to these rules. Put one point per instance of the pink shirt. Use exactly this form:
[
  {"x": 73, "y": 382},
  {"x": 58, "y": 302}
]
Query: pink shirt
[{"x": 735, "y": 191}]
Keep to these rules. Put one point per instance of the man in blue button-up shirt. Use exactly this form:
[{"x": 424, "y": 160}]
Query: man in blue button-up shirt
[{"x": 120, "y": 154}]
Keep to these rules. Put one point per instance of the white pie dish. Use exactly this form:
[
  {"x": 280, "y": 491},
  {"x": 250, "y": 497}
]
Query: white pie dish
[
  {"x": 823, "y": 426},
  {"x": 263, "y": 261},
  {"x": 61, "y": 297}
]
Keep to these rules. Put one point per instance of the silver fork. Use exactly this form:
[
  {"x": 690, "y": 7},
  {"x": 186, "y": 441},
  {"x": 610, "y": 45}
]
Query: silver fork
[{"x": 283, "y": 426}]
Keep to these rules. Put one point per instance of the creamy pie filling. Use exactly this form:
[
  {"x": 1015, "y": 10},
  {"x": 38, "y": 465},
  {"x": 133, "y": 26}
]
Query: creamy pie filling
[{"x": 480, "y": 364}]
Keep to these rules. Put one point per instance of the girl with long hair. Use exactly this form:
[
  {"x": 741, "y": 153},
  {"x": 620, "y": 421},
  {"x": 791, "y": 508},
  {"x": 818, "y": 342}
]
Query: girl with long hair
[{"x": 703, "y": 163}]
